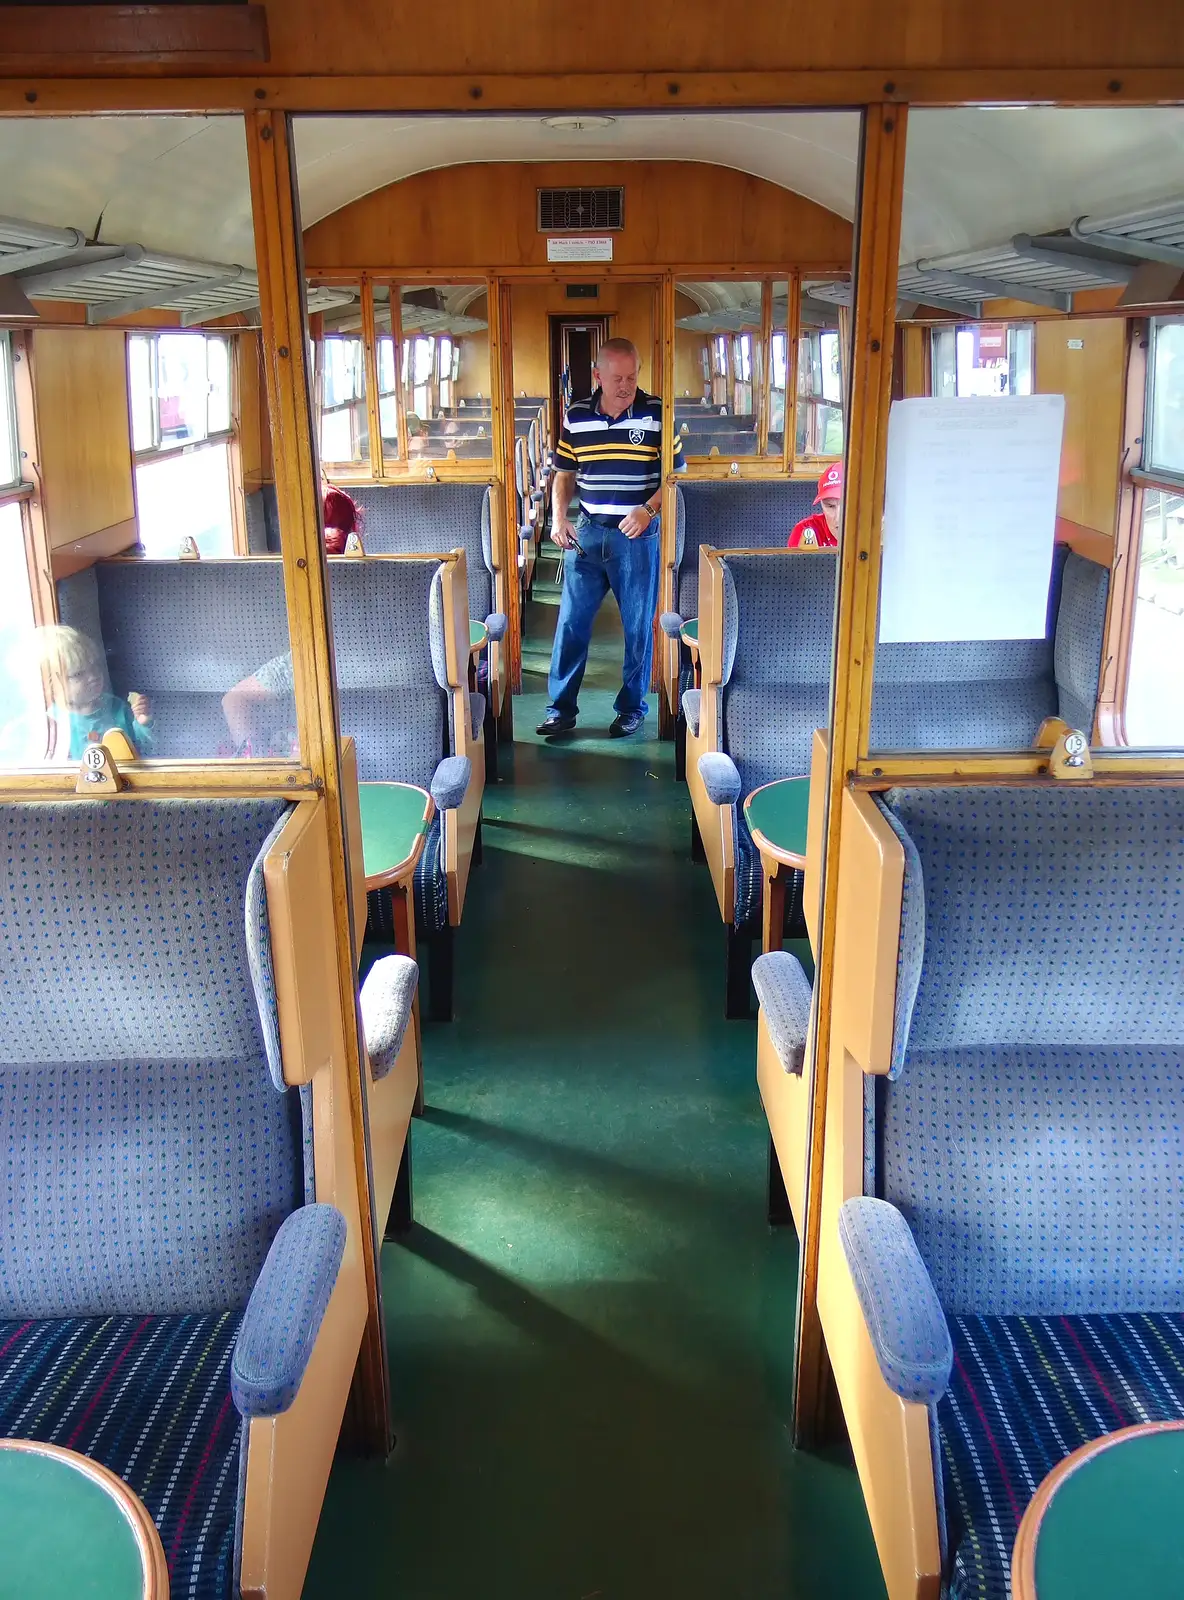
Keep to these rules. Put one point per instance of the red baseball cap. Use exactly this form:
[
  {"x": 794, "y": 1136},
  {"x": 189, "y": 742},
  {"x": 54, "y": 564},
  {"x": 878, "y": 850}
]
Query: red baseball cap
[{"x": 830, "y": 485}]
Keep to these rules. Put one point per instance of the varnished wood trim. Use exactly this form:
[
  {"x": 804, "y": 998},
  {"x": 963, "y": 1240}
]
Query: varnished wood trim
[
  {"x": 952, "y": 769},
  {"x": 70, "y": 558},
  {"x": 1087, "y": 542},
  {"x": 113, "y": 35},
  {"x": 182, "y": 779},
  {"x": 1115, "y": 84},
  {"x": 1023, "y": 1557},
  {"x": 285, "y": 358},
  {"x": 873, "y": 337}
]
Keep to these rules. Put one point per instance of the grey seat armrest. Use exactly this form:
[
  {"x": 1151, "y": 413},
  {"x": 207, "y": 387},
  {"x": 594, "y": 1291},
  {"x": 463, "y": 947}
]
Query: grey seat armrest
[{"x": 904, "y": 1318}]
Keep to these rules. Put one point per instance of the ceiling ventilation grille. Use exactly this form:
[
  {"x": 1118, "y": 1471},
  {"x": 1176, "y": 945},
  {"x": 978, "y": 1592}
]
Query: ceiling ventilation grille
[{"x": 581, "y": 210}]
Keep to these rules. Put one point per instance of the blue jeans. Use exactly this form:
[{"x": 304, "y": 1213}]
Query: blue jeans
[{"x": 629, "y": 567}]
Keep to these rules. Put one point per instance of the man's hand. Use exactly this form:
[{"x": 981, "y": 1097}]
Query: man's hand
[
  {"x": 636, "y": 523},
  {"x": 563, "y": 533},
  {"x": 141, "y": 707}
]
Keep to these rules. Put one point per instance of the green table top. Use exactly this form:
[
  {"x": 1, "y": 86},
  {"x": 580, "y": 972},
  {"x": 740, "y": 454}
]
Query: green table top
[
  {"x": 393, "y": 817},
  {"x": 62, "y": 1534},
  {"x": 477, "y": 635},
  {"x": 689, "y": 632},
  {"x": 779, "y": 811},
  {"x": 1112, "y": 1527}
]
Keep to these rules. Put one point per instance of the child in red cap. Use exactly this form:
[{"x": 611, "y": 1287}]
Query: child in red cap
[{"x": 821, "y": 530}]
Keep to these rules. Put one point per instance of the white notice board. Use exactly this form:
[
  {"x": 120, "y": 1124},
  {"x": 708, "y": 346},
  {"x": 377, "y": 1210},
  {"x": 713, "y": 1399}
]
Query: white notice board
[{"x": 970, "y": 515}]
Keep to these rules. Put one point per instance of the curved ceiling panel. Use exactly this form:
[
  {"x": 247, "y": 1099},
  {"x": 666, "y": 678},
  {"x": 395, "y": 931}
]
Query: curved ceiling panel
[{"x": 178, "y": 185}]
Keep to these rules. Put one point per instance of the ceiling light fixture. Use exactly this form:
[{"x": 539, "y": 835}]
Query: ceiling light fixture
[{"x": 582, "y": 124}]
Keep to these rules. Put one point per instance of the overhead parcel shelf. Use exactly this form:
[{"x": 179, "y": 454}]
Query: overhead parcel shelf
[
  {"x": 24, "y": 245},
  {"x": 1154, "y": 233}
]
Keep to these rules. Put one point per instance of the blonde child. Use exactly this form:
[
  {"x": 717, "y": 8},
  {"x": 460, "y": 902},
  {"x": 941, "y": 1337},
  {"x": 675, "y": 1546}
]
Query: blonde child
[{"x": 82, "y": 708}]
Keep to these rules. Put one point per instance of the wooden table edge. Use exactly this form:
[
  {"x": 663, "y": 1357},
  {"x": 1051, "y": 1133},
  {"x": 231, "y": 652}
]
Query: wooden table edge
[
  {"x": 477, "y": 645},
  {"x": 404, "y": 868},
  {"x": 775, "y": 852},
  {"x": 145, "y": 1532},
  {"x": 1023, "y": 1557}
]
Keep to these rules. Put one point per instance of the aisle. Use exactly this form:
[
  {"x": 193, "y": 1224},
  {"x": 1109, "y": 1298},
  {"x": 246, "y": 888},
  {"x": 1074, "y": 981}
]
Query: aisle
[{"x": 589, "y": 1325}]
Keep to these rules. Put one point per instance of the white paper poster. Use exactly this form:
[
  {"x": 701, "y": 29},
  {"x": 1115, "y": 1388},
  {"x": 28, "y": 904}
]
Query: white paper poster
[
  {"x": 587, "y": 247},
  {"x": 970, "y": 516}
]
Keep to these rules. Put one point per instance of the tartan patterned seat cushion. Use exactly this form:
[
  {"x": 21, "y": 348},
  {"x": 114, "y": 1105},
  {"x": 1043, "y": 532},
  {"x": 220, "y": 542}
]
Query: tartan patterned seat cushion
[
  {"x": 149, "y": 1398},
  {"x": 750, "y": 885},
  {"x": 1025, "y": 1393}
]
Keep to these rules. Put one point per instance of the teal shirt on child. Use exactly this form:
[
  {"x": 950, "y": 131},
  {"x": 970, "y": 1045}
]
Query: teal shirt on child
[{"x": 111, "y": 712}]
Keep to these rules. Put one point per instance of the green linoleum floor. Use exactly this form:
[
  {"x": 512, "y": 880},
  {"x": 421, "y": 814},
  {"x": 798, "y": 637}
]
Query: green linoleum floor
[{"x": 590, "y": 1324}]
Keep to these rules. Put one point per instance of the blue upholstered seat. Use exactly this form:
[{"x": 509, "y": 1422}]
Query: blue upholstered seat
[
  {"x": 151, "y": 1152},
  {"x": 1031, "y": 1129},
  {"x": 995, "y": 693},
  {"x": 432, "y": 519},
  {"x": 778, "y": 615},
  {"x": 748, "y": 514}
]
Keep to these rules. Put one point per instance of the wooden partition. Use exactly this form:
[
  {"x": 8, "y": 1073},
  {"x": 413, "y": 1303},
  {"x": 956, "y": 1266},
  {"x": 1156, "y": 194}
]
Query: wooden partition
[{"x": 80, "y": 392}]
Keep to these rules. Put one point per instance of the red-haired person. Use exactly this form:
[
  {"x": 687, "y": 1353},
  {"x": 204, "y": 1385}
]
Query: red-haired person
[
  {"x": 820, "y": 530},
  {"x": 343, "y": 516}
]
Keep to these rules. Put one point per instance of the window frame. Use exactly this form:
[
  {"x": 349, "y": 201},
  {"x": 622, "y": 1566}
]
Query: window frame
[
  {"x": 8, "y": 404},
  {"x": 158, "y": 450},
  {"x": 951, "y": 330},
  {"x": 1153, "y": 476}
]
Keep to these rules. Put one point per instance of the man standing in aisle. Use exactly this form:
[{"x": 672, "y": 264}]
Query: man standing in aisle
[{"x": 611, "y": 454}]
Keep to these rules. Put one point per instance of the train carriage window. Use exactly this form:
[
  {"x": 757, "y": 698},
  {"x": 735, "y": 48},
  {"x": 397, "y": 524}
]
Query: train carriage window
[
  {"x": 820, "y": 429},
  {"x": 1154, "y": 712},
  {"x": 341, "y": 384},
  {"x": 10, "y": 460},
  {"x": 778, "y": 369},
  {"x": 180, "y": 401},
  {"x": 1164, "y": 444},
  {"x": 982, "y": 359},
  {"x": 718, "y": 367},
  {"x": 446, "y": 375},
  {"x": 22, "y": 705},
  {"x": 388, "y": 373}
]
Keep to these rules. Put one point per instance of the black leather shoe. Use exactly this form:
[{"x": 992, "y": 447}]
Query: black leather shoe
[
  {"x": 625, "y": 723},
  {"x": 556, "y": 722}
]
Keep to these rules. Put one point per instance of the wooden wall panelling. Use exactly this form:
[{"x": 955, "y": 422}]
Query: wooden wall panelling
[
  {"x": 253, "y": 431},
  {"x": 80, "y": 389},
  {"x": 915, "y": 356},
  {"x": 629, "y": 304},
  {"x": 872, "y": 339},
  {"x": 484, "y": 215},
  {"x": 285, "y": 348},
  {"x": 1092, "y": 379},
  {"x": 840, "y": 56}
]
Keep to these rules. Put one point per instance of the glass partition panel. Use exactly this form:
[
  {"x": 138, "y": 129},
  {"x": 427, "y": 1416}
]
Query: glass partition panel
[
  {"x": 447, "y": 387},
  {"x": 1009, "y": 501},
  {"x": 718, "y": 367},
  {"x": 340, "y": 378},
  {"x": 778, "y": 369},
  {"x": 142, "y": 587},
  {"x": 387, "y": 364},
  {"x": 820, "y": 398}
]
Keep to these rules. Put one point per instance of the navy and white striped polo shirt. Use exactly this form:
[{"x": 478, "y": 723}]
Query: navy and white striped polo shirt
[{"x": 617, "y": 460}]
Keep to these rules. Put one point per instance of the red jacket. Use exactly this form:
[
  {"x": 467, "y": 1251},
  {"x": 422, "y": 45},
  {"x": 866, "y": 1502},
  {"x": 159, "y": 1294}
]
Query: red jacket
[{"x": 812, "y": 532}]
